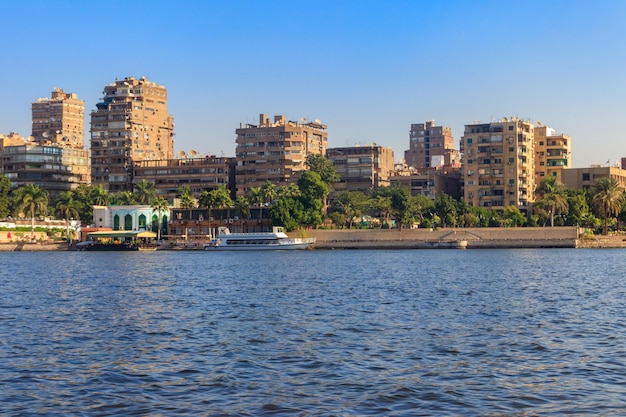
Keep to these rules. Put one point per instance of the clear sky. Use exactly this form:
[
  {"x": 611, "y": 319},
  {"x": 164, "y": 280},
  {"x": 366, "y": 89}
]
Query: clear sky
[{"x": 367, "y": 69}]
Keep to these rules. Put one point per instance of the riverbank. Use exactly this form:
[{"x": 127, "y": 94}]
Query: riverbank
[{"x": 467, "y": 238}]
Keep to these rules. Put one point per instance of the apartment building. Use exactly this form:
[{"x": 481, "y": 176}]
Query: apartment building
[
  {"x": 361, "y": 168},
  {"x": 59, "y": 119},
  {"x": 54, "y": 167},
  {"x": 430, "y": 146},
  {"x": 430, "y": 182},
  {"x": 552, "y": 153},
  {"x": 276, "y": 151},
  {"x": 130, "y": 124},
  {"x": 583, "y": 178},
  {"x": 498, "y": 164},
  {"x": 199, "y": 173}
]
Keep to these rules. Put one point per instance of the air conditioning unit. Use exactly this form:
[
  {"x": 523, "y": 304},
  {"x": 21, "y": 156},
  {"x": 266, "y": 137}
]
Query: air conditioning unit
[
  {"x": 225, "y": 220},
  {"x": 230, "y": 220},
  {"x": 236, "y": 217},
  {"x": 211, "y": 219}
]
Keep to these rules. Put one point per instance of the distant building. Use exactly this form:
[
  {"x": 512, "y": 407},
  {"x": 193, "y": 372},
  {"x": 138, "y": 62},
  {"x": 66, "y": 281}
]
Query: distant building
[
  {"x": 130, "y": 124},
  {"x": 200, "y": 173},
  {"x": 583, "y": 178},
  {"x": 361, "y": 168},
  {"x": 552, "y": 153},
  {"x": 135, "y": 217},
  {"x": 276, "y": 151},
  {"x": 430, "y": 146},
  {"x": 59, "y": 119},
  {"x": 498, "y": 164},
  {"x": 431, "y": 182},
  {"x": 54, "y": 167}
]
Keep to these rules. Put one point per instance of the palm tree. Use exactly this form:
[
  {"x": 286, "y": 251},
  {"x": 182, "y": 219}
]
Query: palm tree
[
  {"x": 68, "y": 207},
  {"x": 553, "y": 198},
  {"x": 607, "y": 197},
  {"x": 221, "y": 197},
  {"x": 242, "y": 205},
  {"x": 160, "y": 205},
  {"x": 145, "y": 191},
  {"x": 384, "y": 207},
  {"x": 255, "y": 196},
  {"x": 99, "y": 196},
  {"x": 32, "y": 200}
]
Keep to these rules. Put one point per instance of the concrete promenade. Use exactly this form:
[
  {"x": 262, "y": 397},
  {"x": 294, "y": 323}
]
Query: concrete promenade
[{"x": 470, "y": 238}]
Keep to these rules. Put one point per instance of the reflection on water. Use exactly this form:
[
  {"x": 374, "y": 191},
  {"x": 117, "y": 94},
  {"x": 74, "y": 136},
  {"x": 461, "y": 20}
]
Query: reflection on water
[{"x": 496, "y": 332}]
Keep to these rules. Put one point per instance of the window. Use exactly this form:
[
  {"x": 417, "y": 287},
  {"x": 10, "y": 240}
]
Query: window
[
  {"x": 469, "y": 140},
  {"x": 585, "y": 176}
]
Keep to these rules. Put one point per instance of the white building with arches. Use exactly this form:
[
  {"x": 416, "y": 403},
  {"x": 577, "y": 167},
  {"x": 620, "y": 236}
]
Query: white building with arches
[{"x": 135, "y": 217}]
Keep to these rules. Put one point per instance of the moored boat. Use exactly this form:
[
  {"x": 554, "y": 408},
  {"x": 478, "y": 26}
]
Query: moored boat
[{"x": 277, "y": 239}]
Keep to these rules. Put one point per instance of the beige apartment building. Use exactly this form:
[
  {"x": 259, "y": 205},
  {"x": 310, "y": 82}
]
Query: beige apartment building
[
  {"x": 361, "y": 168},
  {"x": 276, "y": 151},
  {"x": 430, "y": 146},
  {"x": 54, "y": 167},
  {"x": 130, "y": 124},
  {"x": 199, "y": 173},
  {"x": 59, "y": 119},
  {"x": 552, "y": 153},
  {"x": 499, "y": 164},
  {"x": 583, "y": 178}
]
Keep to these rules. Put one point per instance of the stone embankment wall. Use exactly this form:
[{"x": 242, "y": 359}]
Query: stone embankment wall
[
  {"x": 602, "y": 242},
  {"x": 526, "y": 237}
]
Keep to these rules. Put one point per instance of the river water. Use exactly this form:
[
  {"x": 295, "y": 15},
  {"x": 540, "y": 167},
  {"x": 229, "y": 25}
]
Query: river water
[{"x": 314, "y": 333}]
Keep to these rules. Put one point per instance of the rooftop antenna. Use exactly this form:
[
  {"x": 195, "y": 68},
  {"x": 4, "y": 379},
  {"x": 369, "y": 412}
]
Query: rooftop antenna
[
  {"x": 193, "y": 152},
  {"x": 182, "y": 154}
]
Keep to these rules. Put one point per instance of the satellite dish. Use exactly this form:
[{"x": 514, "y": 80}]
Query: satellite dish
[
  {"x": 45, "y": 134},
  {"x": 193, "y": 152},
  {"x": 181, "y": 154}
]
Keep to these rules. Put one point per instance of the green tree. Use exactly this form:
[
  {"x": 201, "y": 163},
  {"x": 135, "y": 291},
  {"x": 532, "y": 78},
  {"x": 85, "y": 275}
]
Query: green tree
[
  {"x": 124, "y": 198},
  {"x": 31, "y": 200},
  {"x": 160, "y": 206},
  {"x": 255, "y": 196},
  {"x": 5, "y": 188},
  {"x": 242, "y": 207},
  {"x": 221, "y": 197},
  {"x": 552, "y": 198},
  {"x": 326, "y": 170},
  {"x": 314, "y": 192},
  {"x": 288, "y": 212},
  {"x": 446, "y": 209},
  {"x": 145, "y": 192},
  {"x": 68, "y": 208},
  {"x": 349, "y": 204},
  {"x": 186, "y": 199},
  {"x": 578, "y": 207},
  {"x": 382, "y": 205},
  {"x": 607, "y": 197},
  {"x": 514, "y": 216}
]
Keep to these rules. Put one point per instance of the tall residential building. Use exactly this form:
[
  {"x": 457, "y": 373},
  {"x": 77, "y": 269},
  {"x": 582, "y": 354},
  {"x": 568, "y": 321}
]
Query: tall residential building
[
  {"x": 361, "y": 168},
  {"x": 276, "y": 151},
  {"x": 430, "y": 146},
  {"x": 199, "y": 173},
  {"x": 53, "y": 167},
  {"x": 499, "y": 164},
  {"x": 552, "y": 153},
  {"x": 59, "y": 119},
  {"x": 130, "y": 124}
]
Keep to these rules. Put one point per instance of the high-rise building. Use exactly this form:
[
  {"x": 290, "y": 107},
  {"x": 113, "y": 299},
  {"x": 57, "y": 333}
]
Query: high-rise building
[
  {"x": 498, "y": 164},
  {"x": 361, "y": 168},
  {"x": 276, "y": 151},
  {"x": 53, "y": 167},
  {"x": 130, "y": 124},
  {"x": 430, "y": 146},
  {"x": 552, "y": 153},
  {"x": 59, "y": 119}
]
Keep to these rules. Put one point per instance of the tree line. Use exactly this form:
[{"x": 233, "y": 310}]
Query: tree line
[{"x": 306, "y": 204}]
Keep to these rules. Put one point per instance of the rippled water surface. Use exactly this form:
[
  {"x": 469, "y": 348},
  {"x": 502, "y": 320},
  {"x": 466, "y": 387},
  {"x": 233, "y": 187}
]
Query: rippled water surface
[{"x": 332, "y": 333}]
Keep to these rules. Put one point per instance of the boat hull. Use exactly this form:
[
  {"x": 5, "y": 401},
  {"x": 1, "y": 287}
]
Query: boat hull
[{"x": 286, "y": 244}]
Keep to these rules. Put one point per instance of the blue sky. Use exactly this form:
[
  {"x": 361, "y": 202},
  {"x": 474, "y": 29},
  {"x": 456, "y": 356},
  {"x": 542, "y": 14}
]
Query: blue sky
[{"x": 367, "y": 69}]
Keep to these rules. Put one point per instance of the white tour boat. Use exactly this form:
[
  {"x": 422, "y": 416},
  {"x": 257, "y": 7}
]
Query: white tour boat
[{"x": 275, "y": 240}]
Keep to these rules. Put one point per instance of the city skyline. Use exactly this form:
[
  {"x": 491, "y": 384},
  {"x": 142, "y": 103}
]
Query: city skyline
[{"x": 368, "y": 70}]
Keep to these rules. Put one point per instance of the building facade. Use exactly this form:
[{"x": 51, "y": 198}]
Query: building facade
[
  {"x": 430, "y": 182},
  {"x": 130, "y": 124},
  {"x": 583, "y": 178},
  {"x": 276, "y": 151},
  {"x": 361, "y": 168},
  {"x": 54, "y": 167},
  {"x": 498, "y": 164},
  {"x": 430, "y": 146},
  {"x": 198, "y": 172},
  {"x": 552, "y": 153},
  {"x": 59, "y": 119}
]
